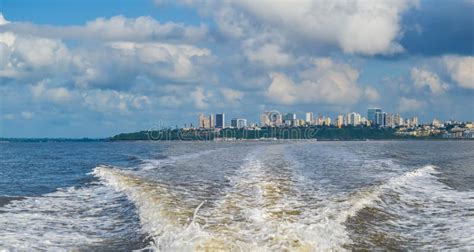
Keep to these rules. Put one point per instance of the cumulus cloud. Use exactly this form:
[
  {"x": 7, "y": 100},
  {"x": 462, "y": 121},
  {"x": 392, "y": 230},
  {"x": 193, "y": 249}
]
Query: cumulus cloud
[
  {"x": 325, "y": 83},
  {"x": 371, "y": 94},
  {"x": 143, "y": 28},
  {"x": 232, "y": 95},
  {"x": 269, "y": 55},
  {"x": 423, "y": 78},
  {"x": 42, "y": 91},
  {"x": 461, "y": 70},
  {"x": 200, "y": 98},
  {"x": 408, "y": 104},
  {"x": 27, "y": 55},
  {"x": 113, "y": 64},
  {"x": 359, "y": 27},
  {"x": 26, "y": 115},
  {"x": 3, "y": 21},
  {"x": 113, "y": 101},
  {"x": 170, "y": 60}
]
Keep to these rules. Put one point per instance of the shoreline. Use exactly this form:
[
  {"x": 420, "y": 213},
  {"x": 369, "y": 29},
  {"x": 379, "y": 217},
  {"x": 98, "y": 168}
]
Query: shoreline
[{"x": 81, "y": 140}]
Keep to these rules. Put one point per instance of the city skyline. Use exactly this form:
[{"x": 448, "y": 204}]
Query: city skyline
[
  {"x": 73, "y": 69},
  {"x": 374, "y": 117}
]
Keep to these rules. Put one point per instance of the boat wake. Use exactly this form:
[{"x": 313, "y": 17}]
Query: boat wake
[
  {"x": 262, "y": 209},
  {"x": 264, "y": 205}
]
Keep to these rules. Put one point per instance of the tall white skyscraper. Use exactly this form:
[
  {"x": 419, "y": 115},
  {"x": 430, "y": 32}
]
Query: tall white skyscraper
[{"x": 309, "y": 117}]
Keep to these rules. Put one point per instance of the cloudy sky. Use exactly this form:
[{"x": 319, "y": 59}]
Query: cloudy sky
[{"x": 88, "y": 69}]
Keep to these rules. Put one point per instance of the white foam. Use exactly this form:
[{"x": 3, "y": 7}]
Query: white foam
[
  {"x": 168, "y": 223},
  {"x": 69, "y": 218},
  {"x": 262, "y": 211},
  {"x": 440, "y": 212}
]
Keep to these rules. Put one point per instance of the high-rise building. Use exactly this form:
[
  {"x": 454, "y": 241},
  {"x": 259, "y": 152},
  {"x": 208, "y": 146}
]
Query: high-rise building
[
  {"x": 389, "y": 120},
  {"x": 212, "y": 121},
  {"x": 340, "y": 121},
  {"x": 379, "y": 119},
  {"x": 372, "y": 114},
  {"x": 414, "y": 121},
  {"x": 353, "y": 119},
  {"x": 204, "y": 121},
  {"x": 289, "y": 119},
  {"x": 271, "y": 118},
  {"x": 309, "y": 117},
  {"x": 233, "y": 122},
  {"x": 327, "y": 121},
  {"x": 241, "y": 123},
  {"x": 238, "y": 123},
  {"x": 397, "y": 120},
  {"x": 220, "y": 121},
  {"x": 320, "y": 119},
  {"x": 346, "y": 120}
]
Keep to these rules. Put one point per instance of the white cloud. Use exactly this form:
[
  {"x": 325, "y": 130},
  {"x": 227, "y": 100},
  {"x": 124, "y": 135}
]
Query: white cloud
[
  {"x": 26, "y": 115},
  {"x": 143, "y": 28},
  {"x": 42, "y": 91},
  {"x": 230, "y": 22},
  {"x": 408, "y": 104},
  {"x": 26, "y": 55},
  {"x": 200, "y": 98},
  {"x": 461, "y": 70},
  {"x": 327, "y": 83},
  {"x": 174, "y": 61},
  {"x": 371, "y": 94},
  {"x": 3, "y": 21},
  {"x": 360, "y": 27},
  {"x": 114, "y": 101},
  {"x": 270, "y": 55},
  {"x": 423, "y": 78},
  {"x": 232, "y": 95},
  {"x": 282, "y": 89}
]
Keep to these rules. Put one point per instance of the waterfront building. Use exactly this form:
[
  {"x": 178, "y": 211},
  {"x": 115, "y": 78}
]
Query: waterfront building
[
  {"x": 327, "y": 121},
  {"x": 397, "y": 120},
  {"x": 270, "y": 118},
  {"x": 414, "y": 121},
  {"x": 389, "y": 120},
  {"x": 320, "y": 119},
  {"x": 289, "y": 119},
  {"x": 233, "y": 122},
  {"x": 204, "y": 121},
  {"x": 309, "y": 118},
  {"x": 372, "y": 114},
  {"x": 380, "y": 119},
  {"x": 353, "y": 119},
  {"x": 238, "y": 123},
  {"x": 212, "y": 121},
  {"x": 437, "y": 123},
  {"x": 339, "y": 121},
  {"x": 241, "y": 123},
  {"x": 220, "y": 121}
]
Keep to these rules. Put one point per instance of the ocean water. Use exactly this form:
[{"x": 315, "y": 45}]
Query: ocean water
[{"x": 237, "y": 196}]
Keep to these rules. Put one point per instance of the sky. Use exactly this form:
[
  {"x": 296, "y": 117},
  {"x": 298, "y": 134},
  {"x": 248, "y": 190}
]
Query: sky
[{"x": 98, "y": 68}]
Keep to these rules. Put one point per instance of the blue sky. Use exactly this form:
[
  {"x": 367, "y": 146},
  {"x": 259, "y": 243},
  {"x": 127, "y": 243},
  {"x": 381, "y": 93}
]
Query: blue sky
[{"x": 98, "y": 68}]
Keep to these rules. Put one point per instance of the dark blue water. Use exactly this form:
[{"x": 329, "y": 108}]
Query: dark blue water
[{"x": 33, "y": 169}]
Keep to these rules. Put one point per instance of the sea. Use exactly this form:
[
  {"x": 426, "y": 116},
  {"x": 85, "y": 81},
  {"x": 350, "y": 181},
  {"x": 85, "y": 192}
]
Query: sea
[{"x": 237, "y": 196}]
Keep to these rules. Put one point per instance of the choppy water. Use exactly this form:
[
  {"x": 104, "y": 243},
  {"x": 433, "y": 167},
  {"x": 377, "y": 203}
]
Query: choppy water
[{"x": 250, "y": 196}]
